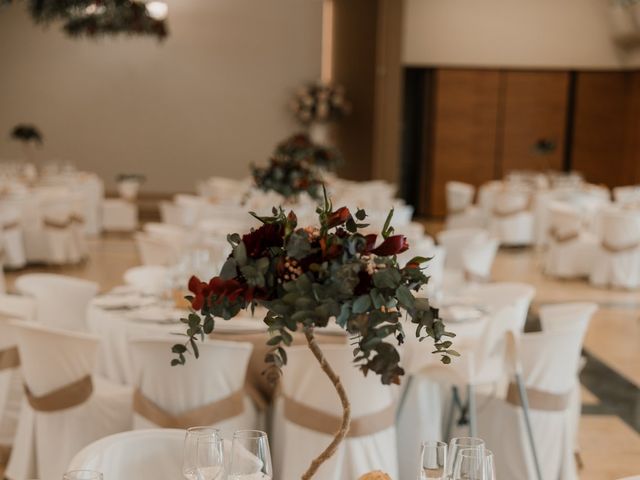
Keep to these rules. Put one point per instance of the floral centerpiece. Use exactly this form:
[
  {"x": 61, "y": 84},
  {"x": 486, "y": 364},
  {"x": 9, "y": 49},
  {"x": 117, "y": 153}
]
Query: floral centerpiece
[
  {"x": 289, "y": 176},
  {"x": 301, "y": 148},
  {"x": 29, "y": 136},
  {"x": 307, "y": 277},
  {"x": 320, "y": 102}
]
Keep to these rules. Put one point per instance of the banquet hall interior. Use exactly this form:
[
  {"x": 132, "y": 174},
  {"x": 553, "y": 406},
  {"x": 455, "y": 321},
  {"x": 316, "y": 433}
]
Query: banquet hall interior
[{"x": 201, "y": 277}]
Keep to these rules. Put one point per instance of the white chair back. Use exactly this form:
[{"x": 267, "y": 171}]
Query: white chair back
[
  {"x": 563, "y": 316},
  {"x": 149, "y": 279},
  {"x": 305, "y": 383},
  {"x": 459, "y": 196},
  {"x": 626, "y": 194},
  {"x": 620, "y": 228},
  {"x": 174, "y": 234},
  {"x": 18, "y": 307},
  {"x": 218, "y": 373},
  {"x": 156, "y": 251},
  {"x": 564, "y": 220},
  {"x": 53, "y": 358},
  {"x": 500, "y": 294},
  {"x": 478, "y": 257},
  {"x": 143, "y": 454},
  {"x": 61, "y": 301},
  {"x": 455, "y": 241},
  {"x": 171, "y": 213}
]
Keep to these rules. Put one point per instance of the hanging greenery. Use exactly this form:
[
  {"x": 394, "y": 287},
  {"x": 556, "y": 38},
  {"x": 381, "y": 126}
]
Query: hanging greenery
[{"x": 92, "y": 18}]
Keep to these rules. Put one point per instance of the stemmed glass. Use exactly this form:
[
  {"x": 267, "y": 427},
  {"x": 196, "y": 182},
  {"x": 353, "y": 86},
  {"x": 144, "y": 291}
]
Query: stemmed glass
[
  {"x": 203, "y": 454},
  {"x": 469, "y": 465},
  {"x": 456, "y": 445},
  {"x": 82, "y": 475},
  {"x": 250, "y": 456},
  {"x": 433, "y": 457}
]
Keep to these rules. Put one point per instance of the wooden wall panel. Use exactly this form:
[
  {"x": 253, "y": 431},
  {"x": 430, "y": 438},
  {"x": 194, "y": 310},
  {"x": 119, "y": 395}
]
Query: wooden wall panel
[
  {"x": 603, "y": 139},
  {"x": 535, "y": 108},
  {"x": 465, "y": 109}
]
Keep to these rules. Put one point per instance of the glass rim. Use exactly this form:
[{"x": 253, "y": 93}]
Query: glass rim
[
  {"x": 433, "y": 443},
  {"x": 470, "y": 441},
  {"x": 249, "y": 434},
  {"x": 204, "y": 430},
  {"x": 471, "y": 452}
]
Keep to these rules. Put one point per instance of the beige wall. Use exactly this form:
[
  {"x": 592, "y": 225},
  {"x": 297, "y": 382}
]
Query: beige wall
[
  {"x": 512, "y": 33},
  {"x": 210, "y": 100}
]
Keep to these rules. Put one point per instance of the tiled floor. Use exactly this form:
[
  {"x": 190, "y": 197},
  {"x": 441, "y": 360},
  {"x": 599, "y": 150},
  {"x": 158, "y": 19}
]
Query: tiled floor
[{"x": 610, "y": 447}]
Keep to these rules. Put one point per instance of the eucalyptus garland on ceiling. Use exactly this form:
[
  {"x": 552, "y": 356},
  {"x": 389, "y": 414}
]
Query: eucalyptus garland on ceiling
[{"x": 92, "y": 18}]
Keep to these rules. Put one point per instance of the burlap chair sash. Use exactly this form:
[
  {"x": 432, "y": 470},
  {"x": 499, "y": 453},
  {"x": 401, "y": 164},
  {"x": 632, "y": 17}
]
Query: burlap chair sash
[
  {"x": 9, "y": 358},
  {"x": 539, "y": 399},
  {"x": 79, "y": 219},
  {"x": 11, "y": 226},
  {"x": 68, "y": 396},
  {"x": 322, "y": 422},
  {"x": 57, "y": 224},
  {"x": 563, "y": 237},
  {"x": 214, "y": 412},
  {"x": 456, "y": 211},
  {"x": 470, "y": 276},
  {"x": 620, "y": 249}
]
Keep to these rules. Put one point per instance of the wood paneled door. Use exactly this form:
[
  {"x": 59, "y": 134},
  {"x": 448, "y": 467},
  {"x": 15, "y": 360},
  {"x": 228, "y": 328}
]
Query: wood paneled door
[
  {"x": 534, "y": 122},
  {"x": 465, "y": 112}
]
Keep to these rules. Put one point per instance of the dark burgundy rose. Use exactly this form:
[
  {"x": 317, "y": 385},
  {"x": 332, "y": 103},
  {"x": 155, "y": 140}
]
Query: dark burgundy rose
[
  {"x": 364, "y": 285},
  {"x": 338, "y": 217},
  {"x": 370, "y": 242},
  {"x": 258, "y": 241},
  {"x": 200, "y": 291},
  {"x": 230, "y": 289},
  {"x": 392, "y": 246}
]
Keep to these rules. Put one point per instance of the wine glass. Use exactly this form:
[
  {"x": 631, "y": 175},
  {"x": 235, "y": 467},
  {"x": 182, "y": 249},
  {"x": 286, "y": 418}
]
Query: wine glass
[
  {"x": 457, "y": 444},
  {"x": 82, "y": 475},
  {"x": 470, "y": 465},
  {"x": 433, "y": 456},
  {"x": 250, "y": 456},
  {"x": 203, "y": 454}
]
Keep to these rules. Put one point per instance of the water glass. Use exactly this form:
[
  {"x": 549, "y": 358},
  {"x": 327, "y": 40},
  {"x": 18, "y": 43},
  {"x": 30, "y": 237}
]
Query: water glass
[
  {"x": 470, "y": 465},
  {"x": 433, "y": 457},
  {"x": 203, "y": 457},
  {"x": 489, "y": 465},
  {"x": 250, "y": 456},
  {"x": 82, "y": 475},
  {"x": 457, "y": 444}
]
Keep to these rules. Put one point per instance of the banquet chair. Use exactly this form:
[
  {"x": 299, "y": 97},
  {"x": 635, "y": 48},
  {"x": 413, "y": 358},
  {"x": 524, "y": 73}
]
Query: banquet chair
[
  {"x": 10, "y": 388},
  {"x": 79, "y": 226},
  {"x": 511, "y": 219},
  {"x": 573, "y": 316},
  {"x": 170, "y": 213},
  {"x": 531, "y": 426},
  {"x": 570, "y": 249},
  {"x": 308, "y": 414},
  {"x": 455, "y": 241},
  {"x": 17, "y": 306},
  {"x": 154, "y": 454},
  {"x": 191, "y": 208},
  {"x": 66, "y": 407},
  {"x": 12, "y": 238},
  {"x": 147, "y": 279},
  {"x": 617, "y": 259},
  {"x": 156, "y": 251},
  {"x": 207, "y": 391},
  {"x": 499, "y": 294},
  {"x": 119, "y": 215},
  {"x": 61, "y": 301},
  {"x": 58, "y": 221},
  {"x": 461, "y": 213},
  {"x": 174, "y": 234},
  {"x": 626, "y": 194},
  {"x": 478, "y": 257}
]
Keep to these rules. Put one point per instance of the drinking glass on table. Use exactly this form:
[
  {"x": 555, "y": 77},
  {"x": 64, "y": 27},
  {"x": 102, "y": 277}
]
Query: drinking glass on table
[
  {"x": 82, "y": 475},
  {"x": 433, "y": 455},
  {"x": 203, "y": 454},
  {"x": 489, "y": 465},
  {"x": 250, "y": 456},
  {"x": 457, "y": 444},
  {"x": 470, "y": 464}
]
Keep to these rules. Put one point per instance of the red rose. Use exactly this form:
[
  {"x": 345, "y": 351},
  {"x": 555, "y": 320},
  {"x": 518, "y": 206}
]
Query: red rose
[
  {"x": 258, "y": 241},
  {"x": 200, "y": 292},
  {"x": 230, "y": 289},
  {"x": 370, "y": 242},
  {"x": 392, "y": 246},
  {"x": 338, "y": 217}
]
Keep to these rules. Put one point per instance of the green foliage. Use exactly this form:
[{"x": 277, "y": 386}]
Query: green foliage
[{"x": 307, "y": 277}]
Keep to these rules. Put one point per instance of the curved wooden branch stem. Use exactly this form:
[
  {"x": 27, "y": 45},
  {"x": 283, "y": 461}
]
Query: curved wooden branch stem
[{"x": 346, "y": 406}]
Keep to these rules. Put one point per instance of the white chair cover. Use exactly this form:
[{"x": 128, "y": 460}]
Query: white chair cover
[
  {"x": 144, "y": 454},
  {"x": 58, "y": 220},
  {"x": 61, "y": 301},
  {"x": 460, "y": 210},
  {"x": 512, "y": 220},
  {"x": 304, "y": 382},
  {"x": 119, "y": 215},
  {"x": 549, "y": 363},
  {"x": 148, "y": 279},
  {"x": 626, "y": 194},
  {"x": 456, "y": 240},
  {"x": 478, "y": 257},
  {"x": 128, "y": 189},
  {"x": 51, "y": 360},
  {"x": 174, "y": 234},
  {"x": 156, "y": 251},
  {"x": 12, "y": 238},
  {"x": 218, "y": 374},
  {"x": 9, "y": 395},
  {"x": 500, "y": 294},
  {"x": 617, "y": 259},
  {"x": 170, "y": 213},
  {"x": 571, "y": 249}
]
